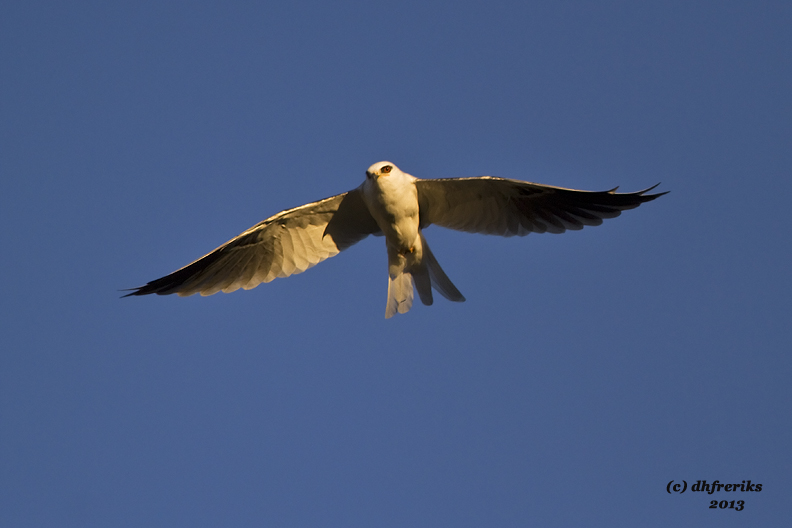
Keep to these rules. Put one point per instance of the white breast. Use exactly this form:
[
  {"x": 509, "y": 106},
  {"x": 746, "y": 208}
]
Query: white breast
[{"x": 392, "y": 200}]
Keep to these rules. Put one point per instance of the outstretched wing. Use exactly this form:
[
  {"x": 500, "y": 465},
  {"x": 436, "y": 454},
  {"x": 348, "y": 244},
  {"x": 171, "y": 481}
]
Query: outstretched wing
[
  {"x": 497, "y": 206},
  {"x": 288, "y": 243}
]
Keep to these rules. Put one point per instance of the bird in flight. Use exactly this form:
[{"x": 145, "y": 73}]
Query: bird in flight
[{"x": 398, "y": 206}]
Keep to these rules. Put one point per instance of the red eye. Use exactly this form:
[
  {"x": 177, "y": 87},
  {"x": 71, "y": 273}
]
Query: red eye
[{"x": 386, "y": 169}]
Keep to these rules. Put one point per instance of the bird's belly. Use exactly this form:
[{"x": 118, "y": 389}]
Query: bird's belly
[
  {"x": 400, "y": 227},
  {"x": 396, "y": 214},
  {"x": 403, "y": 234}
]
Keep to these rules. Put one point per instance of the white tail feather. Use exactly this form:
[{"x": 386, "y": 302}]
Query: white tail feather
[
  {"x": 440, "y": 280},
  {"x": 400, "y": 294},
  {"x": 421, "y": 271},
  {"x": 423, "y": 283}
]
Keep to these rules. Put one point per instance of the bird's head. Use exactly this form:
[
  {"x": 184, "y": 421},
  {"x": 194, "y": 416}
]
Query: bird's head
[{"x": 382, "y": 168}]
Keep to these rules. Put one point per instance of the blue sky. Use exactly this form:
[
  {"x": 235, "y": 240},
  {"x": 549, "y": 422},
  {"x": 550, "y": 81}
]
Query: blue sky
[{"x": 584, "y": 372}]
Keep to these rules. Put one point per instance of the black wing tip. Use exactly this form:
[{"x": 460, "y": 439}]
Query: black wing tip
[
  {"x": 650, "y": 197},
  {"x": 140, "y": 290},
  {"x": 640, "y": 194},
  {"x": 158, "y": 286}
]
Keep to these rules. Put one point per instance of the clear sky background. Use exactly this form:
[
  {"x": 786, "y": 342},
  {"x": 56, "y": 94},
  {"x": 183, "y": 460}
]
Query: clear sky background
[{"x": 584, "y": 372}]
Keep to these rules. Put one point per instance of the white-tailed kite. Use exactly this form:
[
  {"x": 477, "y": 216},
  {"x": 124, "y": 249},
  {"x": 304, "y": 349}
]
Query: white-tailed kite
[{"x": 397, "y": 205}]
